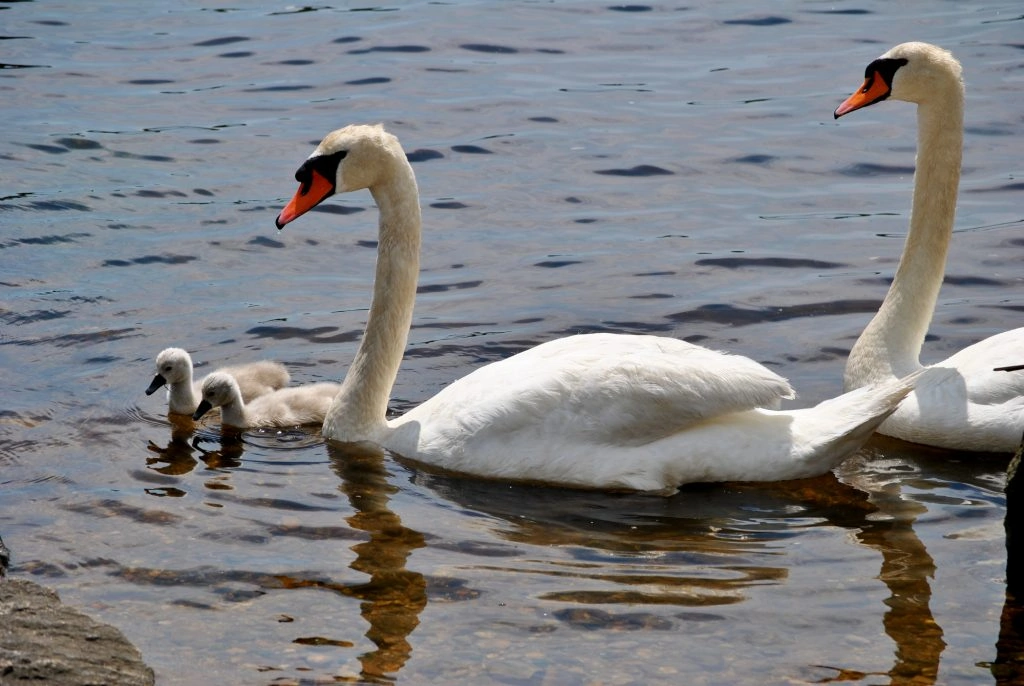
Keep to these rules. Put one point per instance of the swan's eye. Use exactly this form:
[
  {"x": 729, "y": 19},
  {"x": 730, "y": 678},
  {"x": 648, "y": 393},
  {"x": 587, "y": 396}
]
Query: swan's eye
[
  {"x": 324, "y": 165},
  {"x": 327, "y": 165},
  {"x": 884, "y": 67}
]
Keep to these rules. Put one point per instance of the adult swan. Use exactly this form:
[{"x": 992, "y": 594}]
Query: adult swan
[
  {"x": 606, "y": 411},
  {"x": 960, "y": 403}
]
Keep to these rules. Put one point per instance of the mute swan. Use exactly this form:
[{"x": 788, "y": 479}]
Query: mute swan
[
  {"x": 610, "y": 411},
  {"x": 960, "y": 403},
  {"x": 293, "y": 406},
  {"x": 174, "y": 370}
]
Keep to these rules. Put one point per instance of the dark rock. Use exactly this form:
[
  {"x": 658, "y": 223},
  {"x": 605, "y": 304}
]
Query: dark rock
[
  {"x": 42, "y": 641},
  {"x": 5, "y": 559}
]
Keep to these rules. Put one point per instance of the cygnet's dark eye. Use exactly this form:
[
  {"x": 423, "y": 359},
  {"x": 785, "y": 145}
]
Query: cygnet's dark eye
[{"x": 324, "y": 165}]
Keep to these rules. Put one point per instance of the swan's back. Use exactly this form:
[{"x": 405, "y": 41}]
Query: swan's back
[{"x": 597, "y": 389}]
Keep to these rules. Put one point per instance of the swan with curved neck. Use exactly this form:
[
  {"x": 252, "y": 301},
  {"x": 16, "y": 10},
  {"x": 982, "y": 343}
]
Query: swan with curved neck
[
  {"x": 610, "y": 411},
  {"x": 960, "y": 403}
]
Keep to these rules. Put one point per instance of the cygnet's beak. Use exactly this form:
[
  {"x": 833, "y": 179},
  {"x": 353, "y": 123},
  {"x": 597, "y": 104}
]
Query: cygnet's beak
[
  {"x": 158, "y": 382},
  {"x": 204, "y": 407}
]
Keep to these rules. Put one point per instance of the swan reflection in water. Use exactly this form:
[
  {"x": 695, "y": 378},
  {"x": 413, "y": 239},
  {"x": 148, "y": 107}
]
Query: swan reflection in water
[
  {"x": 698, "y": 550},
  {"x": 179, "y": 455},
  {"x": 702, "y": 528},
  {"x": 394, "y": 597}
]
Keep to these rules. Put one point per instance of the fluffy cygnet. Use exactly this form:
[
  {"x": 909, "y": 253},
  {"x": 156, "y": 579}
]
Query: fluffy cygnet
[
  {"x": 293, "y": 406},
  {"x": 174, "y": 370}
]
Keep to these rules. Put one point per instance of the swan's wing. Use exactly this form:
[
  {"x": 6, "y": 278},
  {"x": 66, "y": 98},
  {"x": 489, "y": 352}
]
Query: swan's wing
[
  {"x": 963, "y": 403},
  {"x": 607, "y": 388},
  {"x": 977, "y": 363}
]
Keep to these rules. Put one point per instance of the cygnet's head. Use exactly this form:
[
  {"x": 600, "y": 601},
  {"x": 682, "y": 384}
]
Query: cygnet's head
[
  {"x": 219, "y": 389},
  {"x": 913, "y": 72},
  {"x": 348, "y": 159},
  {"x": 173, "y": 365}
]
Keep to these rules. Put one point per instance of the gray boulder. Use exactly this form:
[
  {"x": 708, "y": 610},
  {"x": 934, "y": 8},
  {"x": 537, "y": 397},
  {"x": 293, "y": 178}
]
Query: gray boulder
[{"x": 43, "y": 641}]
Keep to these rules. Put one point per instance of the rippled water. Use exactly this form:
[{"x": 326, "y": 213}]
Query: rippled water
[{"x": 669, "y": 168}]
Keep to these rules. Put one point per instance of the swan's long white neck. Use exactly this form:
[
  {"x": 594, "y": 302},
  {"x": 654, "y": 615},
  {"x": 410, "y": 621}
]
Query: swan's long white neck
[
  {"x": 360, "y": 409},
  {"x": 890, "y": 346}
]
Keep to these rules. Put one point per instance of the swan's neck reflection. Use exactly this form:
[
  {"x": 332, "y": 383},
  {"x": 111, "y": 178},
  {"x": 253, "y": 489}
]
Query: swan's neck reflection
[
  {"x": 394, "y": 596},
  {"x": 906, "y": 570}
]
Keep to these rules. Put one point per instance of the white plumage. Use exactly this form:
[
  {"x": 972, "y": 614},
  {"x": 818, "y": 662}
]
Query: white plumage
[
  {"x": 608, "y": 411},
  {"x": 961, "y": 402}
]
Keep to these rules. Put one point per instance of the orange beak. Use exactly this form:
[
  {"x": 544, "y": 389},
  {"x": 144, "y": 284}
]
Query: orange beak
[
  {"x": 874, "y": 89},
  {"x": 306, "y": 198}
]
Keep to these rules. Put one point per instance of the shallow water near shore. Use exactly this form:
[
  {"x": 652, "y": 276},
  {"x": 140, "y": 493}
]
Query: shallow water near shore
[{"x": 656, "y": 168}]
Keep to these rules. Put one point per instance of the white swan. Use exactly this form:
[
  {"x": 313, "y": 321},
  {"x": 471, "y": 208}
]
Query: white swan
[
  {"x": 960, "y": 403},
  {"x": 174, "y": 370},
  {"x": 295, "y": 406},
  {"x": 608, "y": 411}
]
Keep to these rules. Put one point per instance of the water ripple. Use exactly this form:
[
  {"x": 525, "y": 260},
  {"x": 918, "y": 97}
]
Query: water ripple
[
  {"x": 784, "y": 262},
  {"x": 314, "y": 335},
  {"x": 16, "y": 319},
  {"x": 80, "y": 339},
  {"x": 639, "y": 170},
  {"x": 116, "y": 508},
  {"x": 490, "y": 49},
  {"x": 151, "y": 259},
  {"x": 866, "y": 170},
  {"x": 423, "y": 155},
  {"x": 759, "y": 21},
  {"x": 471, "y": 149},
  {"x": 734, "y": 316},
  {"x": 408, "y": 49},
  {"x": 227, "y": 40},
  {"x": 444, "y": 287},
  {"x": 49, "y": 206}
]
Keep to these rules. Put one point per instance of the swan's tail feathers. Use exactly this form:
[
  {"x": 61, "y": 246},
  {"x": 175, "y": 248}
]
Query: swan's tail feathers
[
  {"x": 833, "y": 430},
  {"x": 878, "y": 400}
]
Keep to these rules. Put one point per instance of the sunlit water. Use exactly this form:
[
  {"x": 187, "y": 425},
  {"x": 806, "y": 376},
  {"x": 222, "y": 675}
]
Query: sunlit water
[{"x": 668, "y": 168}]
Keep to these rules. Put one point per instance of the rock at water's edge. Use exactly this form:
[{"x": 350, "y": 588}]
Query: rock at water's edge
[{"x": 43, "y": 641}]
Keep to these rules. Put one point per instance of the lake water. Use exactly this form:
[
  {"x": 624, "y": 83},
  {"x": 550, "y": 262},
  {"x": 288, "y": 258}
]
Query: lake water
[{"x": 668, "y": 168}]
